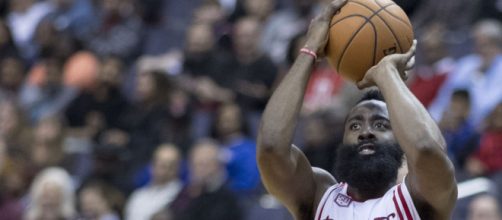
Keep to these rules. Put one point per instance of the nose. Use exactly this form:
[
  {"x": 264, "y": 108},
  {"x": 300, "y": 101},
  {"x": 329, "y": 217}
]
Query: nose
[{"x": 366, "y": 135}]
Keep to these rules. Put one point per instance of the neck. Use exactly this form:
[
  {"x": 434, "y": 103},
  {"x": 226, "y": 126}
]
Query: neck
[{"x": 361, "y": 195}]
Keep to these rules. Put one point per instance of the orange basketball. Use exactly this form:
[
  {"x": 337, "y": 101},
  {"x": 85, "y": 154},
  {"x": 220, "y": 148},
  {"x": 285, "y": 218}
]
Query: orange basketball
[{"x": 363, "y": 32}]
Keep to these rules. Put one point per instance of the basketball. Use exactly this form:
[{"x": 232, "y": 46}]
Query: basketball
[{"x": 363, "y": 32}]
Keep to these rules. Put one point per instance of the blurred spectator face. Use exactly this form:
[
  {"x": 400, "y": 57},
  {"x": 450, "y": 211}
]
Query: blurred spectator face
[
  {"x": 4, "y": 33},
  {"x": 209, "y": 14},
  {"x": 10, "y": 119},
  {"x": 11, "y": 73},
  {"x": 229, "y": 120},
  {"x": 200, "y": 39},
  {"x": 484, "y": 208},
  {"x": 93, "y": 203},
  {"x": 46, "y": 34},
  {"x": 51, "y": 196},
  {"x": 259, "y": 9},
  {"x": 247, "y": 36},
  {"x": 488, "y": 38},
  {"x": 48, "y": 130},
  {"x": 204, "y": 163},
  {"x": 20, "y": 5},
  {"x": 111, "y": 72},
  {"x": 495, "y": 119},
  {"x": 111, "y": 6},
  {"x": 50, "y": 200},
  {"x": 457, "y": 112},
  {"x": 63, "y": 4},
  {"x": 432, "y": 43},
  {"x": 145, "y": 87},
  {"x": 166, "y": 164}
]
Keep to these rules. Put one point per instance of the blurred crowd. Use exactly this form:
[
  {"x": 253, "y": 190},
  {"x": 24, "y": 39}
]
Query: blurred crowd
[{"x": 149, "y": 109}]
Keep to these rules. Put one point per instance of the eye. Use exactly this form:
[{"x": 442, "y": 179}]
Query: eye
[
  {"x": 355, "y": 126},
  {"x": 381, "y": 125}
]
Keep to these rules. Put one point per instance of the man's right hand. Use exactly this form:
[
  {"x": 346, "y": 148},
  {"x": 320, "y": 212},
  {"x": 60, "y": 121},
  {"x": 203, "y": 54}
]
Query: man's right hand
[{"x": 318, "y": 34}]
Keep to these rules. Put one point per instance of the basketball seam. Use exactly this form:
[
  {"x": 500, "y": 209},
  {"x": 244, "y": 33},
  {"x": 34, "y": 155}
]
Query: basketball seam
[
  {"x": 393, "y": 15},
  {"x": 388, "y": 27},
  {"x": 368, "y": 20}
]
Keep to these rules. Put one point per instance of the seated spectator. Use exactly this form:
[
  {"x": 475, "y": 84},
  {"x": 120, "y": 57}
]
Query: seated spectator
[
  {"x": 206, "y": 197},
  {"x": 51, "y": 196},
  {"x": 428, "y": 77},
  {"x": 96, "y": 201},
  {"x": 43, "y": 94},
  {"x": 13, "y": 184},
  {"x": 252, "y": 74},
  {"x": 162, "y": 189},
  {"x": 239, "y": 149},
  {"x": 23, "y": 19},
  {"x": 114, "y": 32},
  {"x": 484, "y": 207},
  {"x": 72, "y": 16},
  {"x": 477, "y": 73},
  {"x": 487, "y": 159},
  {"x": 460, "y": 135},
  {"x": 14, "y": 128},
  {"x": 7, "y": 46},
  {"x": 11, "y": 76}
]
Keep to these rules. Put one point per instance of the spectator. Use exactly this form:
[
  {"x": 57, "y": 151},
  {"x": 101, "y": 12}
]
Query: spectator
[
  {"x": 52, "y": 196},
  {"x": 23, "y": 20},
  {"x": 14, "y": 129},
  {"x": 163, "y": 188},
  {"x": 460, "y": 135},
  {"x": 428, "y": 77},
  {"x": 13, "y": 184},
  {"x": 71, "y": 16},
  {"x": 101, "y": 108},
  {"x": 7, "y": 46},
  {"x": 478, "y": 73},
  {"x": 115, "y": 31},
  {"x": 484, "y": 207},
  {"x": 261, "y": 10},
  {"x": 47, "y": 147},
  {"x": 11, "y": 76},
  {"x": 252, "y": 72},
  {"x": 238, "y": 148},
  {"x": 97, "y": 201},
  {"x": 486, "y": 160},
  {"x": 43, "y": 94},
  {"x": 206, "y": 196},
  {"x": 205, "y": 66},
  {"x": 283, "y": 26}
]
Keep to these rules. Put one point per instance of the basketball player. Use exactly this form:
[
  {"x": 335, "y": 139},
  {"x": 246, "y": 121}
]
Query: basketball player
[{"x": 378, "y": 130}]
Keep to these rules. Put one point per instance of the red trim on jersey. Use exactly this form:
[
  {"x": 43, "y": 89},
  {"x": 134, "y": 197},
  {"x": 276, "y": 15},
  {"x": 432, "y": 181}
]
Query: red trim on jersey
[
  {"x": 397, "y": 207},
  {"x": 403, "y": 201}
]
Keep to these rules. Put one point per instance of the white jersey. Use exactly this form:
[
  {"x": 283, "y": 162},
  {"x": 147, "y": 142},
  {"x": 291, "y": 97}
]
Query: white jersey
[{"x": 396, "y": 204}]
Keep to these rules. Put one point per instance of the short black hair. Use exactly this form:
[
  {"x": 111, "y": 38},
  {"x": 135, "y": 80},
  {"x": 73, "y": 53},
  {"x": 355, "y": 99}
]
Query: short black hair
[
  {"x": 462, "y": 94},
  {"x": 373, "y": 94}
]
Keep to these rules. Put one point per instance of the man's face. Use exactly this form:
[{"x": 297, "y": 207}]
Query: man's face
[
  {"x": 369, "y": 157},
  {"x": 367, "y": 124}
]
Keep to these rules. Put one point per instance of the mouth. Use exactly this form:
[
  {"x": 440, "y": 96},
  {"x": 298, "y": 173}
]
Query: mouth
[{"x": 366, "y": 149}]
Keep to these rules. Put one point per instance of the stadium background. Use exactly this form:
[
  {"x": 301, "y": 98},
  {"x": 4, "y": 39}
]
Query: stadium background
[{"x": 91, "y": 89}]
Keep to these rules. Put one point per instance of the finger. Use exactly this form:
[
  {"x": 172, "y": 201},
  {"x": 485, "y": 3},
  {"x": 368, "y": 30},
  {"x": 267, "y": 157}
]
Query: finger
[
  {"x": 410, "y": 64},
  {"x": 362, "y": 84},
  {"x": 411, "y": 51},
  {"x": 334, "y": 6}
]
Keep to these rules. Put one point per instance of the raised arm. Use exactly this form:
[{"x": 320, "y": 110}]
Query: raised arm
[
  {"x": 431, "y": 174},
  {"x": 285, "y": 171}
]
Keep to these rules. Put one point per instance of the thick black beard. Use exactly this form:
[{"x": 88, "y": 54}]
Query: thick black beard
[{"x": 369, "y": 174}]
